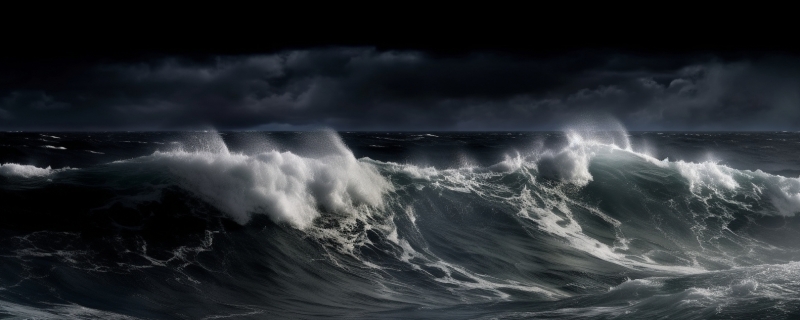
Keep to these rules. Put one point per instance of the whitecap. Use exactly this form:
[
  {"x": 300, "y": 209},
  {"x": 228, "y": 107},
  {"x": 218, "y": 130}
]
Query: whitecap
[{"x": 25, "y": 171}]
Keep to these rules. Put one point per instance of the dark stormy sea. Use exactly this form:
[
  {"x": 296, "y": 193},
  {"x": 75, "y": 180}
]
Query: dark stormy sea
[{"x": 578, "y": 224}]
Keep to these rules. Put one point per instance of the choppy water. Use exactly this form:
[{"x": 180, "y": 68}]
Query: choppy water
[{"x": 508, "y": 225}]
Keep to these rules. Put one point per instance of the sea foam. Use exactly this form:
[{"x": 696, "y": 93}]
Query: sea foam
[
  {"x": 283, "y": 185},
  {"x": 571, "y": 164},
  {"x": 24, "y": 171}
]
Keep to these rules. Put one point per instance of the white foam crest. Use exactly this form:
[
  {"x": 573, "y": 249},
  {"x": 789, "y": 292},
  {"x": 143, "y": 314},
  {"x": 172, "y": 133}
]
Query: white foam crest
[
  {"x": 52, "y": 147},
  {"x": 509, "y": 164},
  {"x": 568, "y": 165},
  {"x": 585, "y": 139},
  {"x": 286, "y": 187},
  {"x": 724, "y": 182},
  {"x": 571, "y": 165},
  {"x": 706, "y": 174},
  {"x": 422, "y": 173},
  {"x": 784, "y": 193},
  {"x": 603, "y": 131},
  {"x": 24, "y": 171}
]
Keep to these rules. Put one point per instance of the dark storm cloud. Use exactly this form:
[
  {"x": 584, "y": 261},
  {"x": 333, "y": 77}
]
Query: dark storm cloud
[{"x": 361, "y": 88}]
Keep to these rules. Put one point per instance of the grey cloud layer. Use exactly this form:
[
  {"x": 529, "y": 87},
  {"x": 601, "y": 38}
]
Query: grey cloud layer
[{"x": 362, "y": 89}]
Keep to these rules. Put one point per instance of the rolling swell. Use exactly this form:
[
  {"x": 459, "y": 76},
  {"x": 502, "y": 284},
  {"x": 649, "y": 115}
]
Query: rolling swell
[{"x": 313, "y": 231}]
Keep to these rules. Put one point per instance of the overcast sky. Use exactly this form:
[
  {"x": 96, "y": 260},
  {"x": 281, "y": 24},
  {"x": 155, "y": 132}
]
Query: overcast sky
[{"x": 368, "y": 88}]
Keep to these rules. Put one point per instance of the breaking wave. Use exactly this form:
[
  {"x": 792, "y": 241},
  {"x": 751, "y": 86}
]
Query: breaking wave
[
  {"x": 24, "y": 171},
  {"x": 591, "y": 228},
  {"x": 285, "y": 186}
]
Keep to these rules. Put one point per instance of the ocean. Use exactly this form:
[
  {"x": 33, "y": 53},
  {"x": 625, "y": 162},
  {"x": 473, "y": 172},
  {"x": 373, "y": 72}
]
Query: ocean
[{"x": 578, "y": 224}]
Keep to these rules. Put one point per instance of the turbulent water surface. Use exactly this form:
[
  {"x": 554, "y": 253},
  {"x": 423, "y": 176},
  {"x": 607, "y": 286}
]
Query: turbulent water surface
[{"x": 507, "y": 225}]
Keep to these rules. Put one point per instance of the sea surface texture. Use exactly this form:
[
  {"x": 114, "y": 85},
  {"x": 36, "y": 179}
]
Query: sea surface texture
[{"x": 578, "y": 224}]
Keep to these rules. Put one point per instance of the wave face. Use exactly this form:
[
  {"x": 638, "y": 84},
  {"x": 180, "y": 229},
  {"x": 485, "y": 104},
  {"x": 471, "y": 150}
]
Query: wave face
[{"x": 574, "y": 224}]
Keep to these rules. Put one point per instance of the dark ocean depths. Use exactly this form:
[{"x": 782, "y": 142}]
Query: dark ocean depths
[{"x": 494, "y": 225}]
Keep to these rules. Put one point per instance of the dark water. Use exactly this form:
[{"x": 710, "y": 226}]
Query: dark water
[{"x": 507, "y": 225}]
